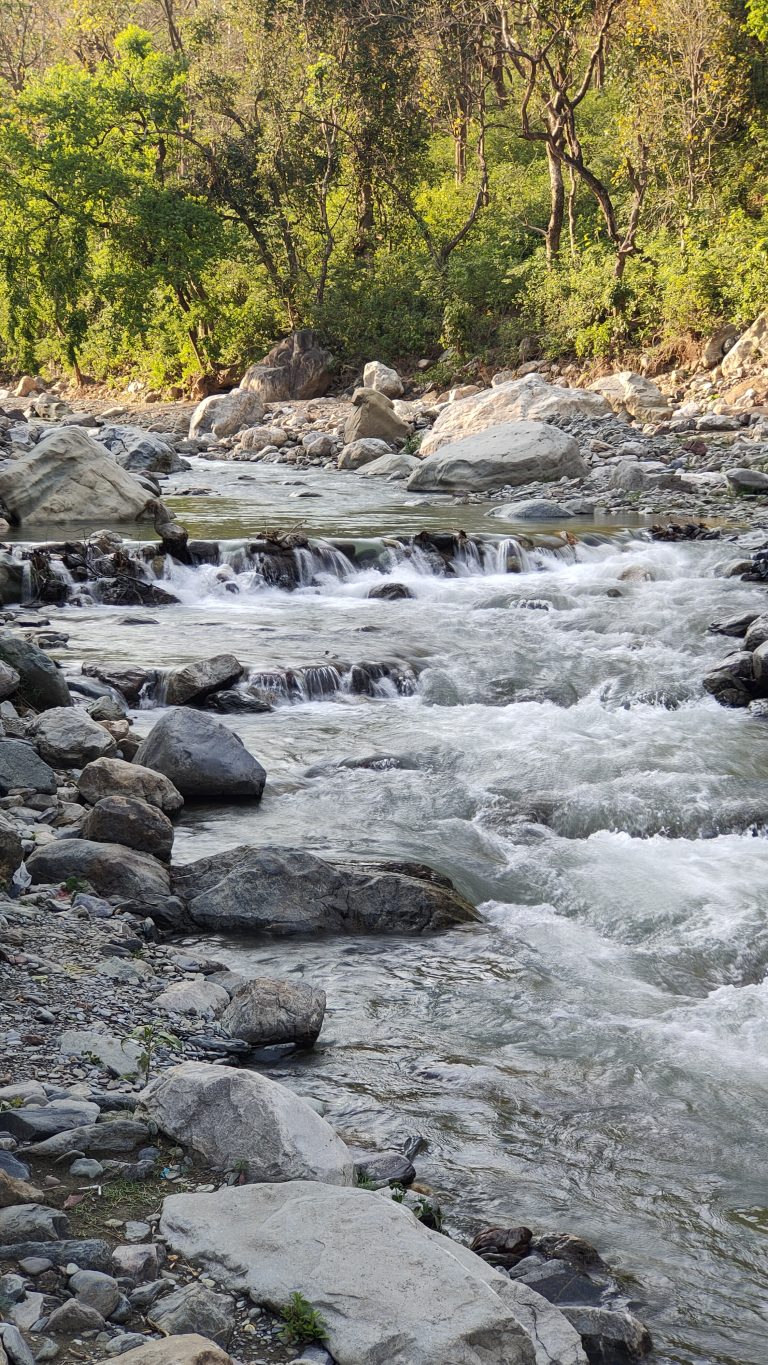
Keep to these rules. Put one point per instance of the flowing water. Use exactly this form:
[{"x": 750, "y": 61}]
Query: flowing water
[{"x": 594, "y": 1058}]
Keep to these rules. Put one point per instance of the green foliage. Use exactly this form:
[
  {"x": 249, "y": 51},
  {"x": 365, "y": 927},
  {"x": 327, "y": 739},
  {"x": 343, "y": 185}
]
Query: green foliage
[
  {"x": 302, "y": 1322},
  {"x": 152, "y": 1037},
  {"x": 172, "y": 199}
]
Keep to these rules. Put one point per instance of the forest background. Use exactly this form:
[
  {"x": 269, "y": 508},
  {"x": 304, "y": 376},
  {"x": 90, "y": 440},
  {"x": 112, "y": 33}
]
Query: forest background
[{"x": 182, "y": 182}]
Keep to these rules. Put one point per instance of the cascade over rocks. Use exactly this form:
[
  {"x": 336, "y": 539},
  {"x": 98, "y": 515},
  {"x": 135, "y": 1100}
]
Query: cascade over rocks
[
  {"x": 531, "y": 398},
  {"x": 448, "y": 1305},
  {"x": 513, "y": 453},
  {"x": 192, "y": 684},
  {"x": 68, "y": 476},
  {"x": 201, "y": 757},
  {"x": 299, "y": 366},
  {"x": 278, "y": 892},
  {"x": 239, "y": 1119}
]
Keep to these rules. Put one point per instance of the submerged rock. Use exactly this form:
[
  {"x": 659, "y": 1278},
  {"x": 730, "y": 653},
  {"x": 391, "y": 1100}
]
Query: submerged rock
[
  {"x": 239, "y": 1120},
  {"x": 265, "y": 1012},
  {"x": 278, "y": 892}
]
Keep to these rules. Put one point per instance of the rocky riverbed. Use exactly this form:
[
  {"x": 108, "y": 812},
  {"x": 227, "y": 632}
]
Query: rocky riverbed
[{"x": 381, "y": 918}]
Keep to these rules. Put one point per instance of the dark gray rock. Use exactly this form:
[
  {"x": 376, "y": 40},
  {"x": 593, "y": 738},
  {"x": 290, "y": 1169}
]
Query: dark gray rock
[
  {"x": 192, "y": 684},
  {"x": 67, "y": 737},
  {"x": 96, "y": 1290},
  {"x": 264, "y": 1012},
  {"x": 193, "y": 1308},
  {"x": 131, "y": 822},
  {"x": 390, "y": 1167},
  {"x": 111, "y": 869},
  {"x": 201, "y": 756},
  {"x": 747, "y": 481},
  {"x": 610, "y": 1337},
  {"x": 33, "y": 1122},
  {"x": 278, "y": 891},
  {"x": 732, "y": 682},
  {"x": 10, "y": 1165},
  {"x": 32, "y": 1223},
  {"x": 14, "y": 1345},
  {"x": 22, "y": 766},
  {"x": 119, "y": 1135},
  {"x": 42, "y": 684},
  {"x": 90, "y": 1253},
  {"x": 72, "y": 1318},
  {"x": 10, "y": 850}
]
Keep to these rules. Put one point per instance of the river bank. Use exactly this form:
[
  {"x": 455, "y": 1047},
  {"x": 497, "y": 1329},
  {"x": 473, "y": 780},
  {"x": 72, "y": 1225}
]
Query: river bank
[{"x": 555, "y": 755}]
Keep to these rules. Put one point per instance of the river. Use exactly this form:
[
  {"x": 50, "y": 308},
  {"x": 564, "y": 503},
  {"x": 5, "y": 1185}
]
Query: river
[{"x": 594, "y": 1057}]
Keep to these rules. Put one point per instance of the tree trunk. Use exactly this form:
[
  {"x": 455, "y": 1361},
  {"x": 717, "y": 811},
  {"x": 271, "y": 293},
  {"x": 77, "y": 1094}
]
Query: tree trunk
[{"x": 557, "y": 207}]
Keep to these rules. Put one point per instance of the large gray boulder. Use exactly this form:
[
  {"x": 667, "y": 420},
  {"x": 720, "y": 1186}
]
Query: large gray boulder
[
  {"x": 224, "y": 414},
  {"x": 383, "y": 379},
  {"x": 513, "y": 453},
  {"x": 141, "y": 451},
  {"x": 265, "y": 1012},
  {"x": 373, "y": 415},
  {"x": 634, "y": 394},
  {"x": 66, "y": 737},
  {"x": 42, "y": 684},
  {"x": 115, "y": 777},
  {"x": 389, "y": 1290},
  {"x": 279, "y": 891},
  {"x": 396, "y": 465},
  {"x": 133, "y": 823},
  {"x": 201, "y": 756},
  {"x": 68, "y": 476},
  {"x": 299, "y": 366},
  {"x": 111, "y": 869},
  {"x": 192, "y": 684},
  {"x": 531, "y": 398},
  {"x": 22, "y": 766},
  {"x": 366, "y": 451},
  {"x": 749, "y": 352},
  {"x": 238, "y": 1119}
]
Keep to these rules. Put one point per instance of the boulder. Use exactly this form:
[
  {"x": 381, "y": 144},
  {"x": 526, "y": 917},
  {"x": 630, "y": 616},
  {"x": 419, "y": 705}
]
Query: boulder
[
  {"x": 111, "y": 869},
  {"x": 278, "y": 891},
  {"x": 389, "y": 1289},
  {"x": 115, "y": 777},
  {"x": 629, "y": 476},
  {"x": 732, "y": 681},
  {"x": 241, "y": 1120},
  {"x": 118, "y": 1055},
  {"x": 66, "y": 737},
  {"x": 33, "y": 1122},
  {"x": 141, "y": 451},
  {"x": 513, "y": 453},
  {"x": 201, "y": 756},
  {"x": 610, "y": 1334},
  {"x": 72, "y": 1318},
  {"x": 16, "y": 1191},
  {"x": 11, "y": 851},
  {"x": 42, "y": 685},
  {"x": 128, "y": 821},
  {"x": 96, "y": 1290},
  {"x": 187, "y": 1349},
  {"x": 118, "y": 1135},
  {"x": 68, "y": 476},
  {"x": 365, "y": 451},
  {"x": 9, "y": 681},
  {"x": 193, "y": 1308},
  {"x": 297, "y": 367},
  {"x": 193, "y": 995},
  {"x": 397, "y": 465},
  {"x": 374, "y": 416},
  {"x": 716, "y": 346},
  {"x": 749, "y": 352},
  {"x": 264, "y": 1012},
  {"x": 747, "y": 481},
  {"x": 32, "y": 1223},
  {"x": 531, "y": 398},
  {"x": 22, "y": 766},
  {"x": 258, "y": 438},
  {"x": 89, "y": 1253},
  {"x": 384, "y": 380},
  {"x": 225, "y": 414},
  {"x": 192, "y": 684},
  {"x": 632, "y": 393}
]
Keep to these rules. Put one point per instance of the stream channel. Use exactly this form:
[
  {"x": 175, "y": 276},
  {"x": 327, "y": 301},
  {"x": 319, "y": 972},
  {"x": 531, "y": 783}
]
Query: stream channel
[{"x": 594, "y": 1058}]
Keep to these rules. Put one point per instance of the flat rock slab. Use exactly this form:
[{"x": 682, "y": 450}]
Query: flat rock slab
[
  {"x": 388, "y": 1289},
  {"x": 32, "y": 1123},
  {"x": 278, "y": 891},
  {"x": 188, "y": 1349},
  {"x": 118, "y": 1055},
  {"x": 118, "y": 1135},
  {"x": 88, "y": 1253}
]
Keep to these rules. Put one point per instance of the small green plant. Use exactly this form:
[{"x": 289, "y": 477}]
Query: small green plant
[
  {"x": 151, "y": 1038},
  {"x": 398, "y": 1192},
  {"x": 302, "y": 1322},
  {"x": 364, "y": 1182},
  {"x": 74, "y": 884},
  {"x": 429, "y": 1214},
  {"x": 15, "y": 1103}
]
